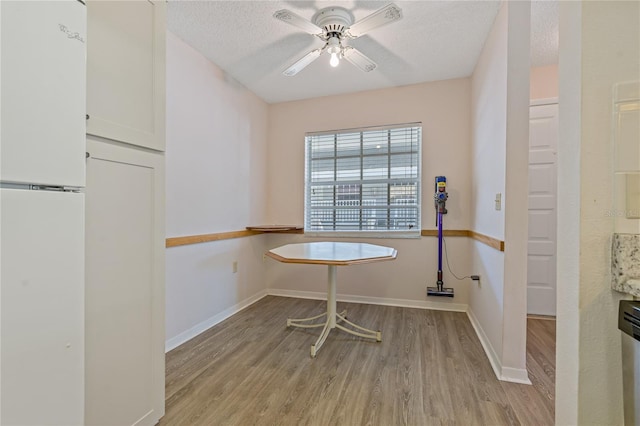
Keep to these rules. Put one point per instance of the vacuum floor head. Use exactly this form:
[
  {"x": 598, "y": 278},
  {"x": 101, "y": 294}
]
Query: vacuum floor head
[{"x": 442, "y": 291}]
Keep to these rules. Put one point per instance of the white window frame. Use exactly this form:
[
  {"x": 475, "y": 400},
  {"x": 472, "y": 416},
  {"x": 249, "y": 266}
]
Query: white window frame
[{"x": 413, "y": 232}]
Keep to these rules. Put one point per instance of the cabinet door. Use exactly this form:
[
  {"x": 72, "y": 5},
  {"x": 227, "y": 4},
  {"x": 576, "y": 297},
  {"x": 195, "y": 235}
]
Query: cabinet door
[
  {"x": 124, "y": 286},
  {"x": 43, "y": 92},
  {"x": 126, "y": 71}
]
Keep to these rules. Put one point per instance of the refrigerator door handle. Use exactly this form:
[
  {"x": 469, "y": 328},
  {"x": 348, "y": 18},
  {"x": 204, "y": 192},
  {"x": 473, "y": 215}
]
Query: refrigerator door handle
[
  {"x": 32, "y": 187},
  {"x": 55, "y": 188}
]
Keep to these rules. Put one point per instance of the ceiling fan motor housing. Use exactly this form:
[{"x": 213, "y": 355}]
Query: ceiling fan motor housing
[{"x": 334, "y": 21}]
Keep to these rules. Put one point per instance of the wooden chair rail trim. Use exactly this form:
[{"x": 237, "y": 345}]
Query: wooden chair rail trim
[
  {"x": 205, "y": 238},
  {"x": 445, "y": 232},
  {"x": 485, "y": 239},
  {"x": 196, "y": 239}
]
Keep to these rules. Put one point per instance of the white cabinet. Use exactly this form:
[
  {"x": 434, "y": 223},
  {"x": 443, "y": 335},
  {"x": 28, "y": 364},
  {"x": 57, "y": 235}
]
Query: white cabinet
[
  {"x": 126, "y": 71},
  {"x": 125, "y": 239},
  {"x": 125, "y": 285}
]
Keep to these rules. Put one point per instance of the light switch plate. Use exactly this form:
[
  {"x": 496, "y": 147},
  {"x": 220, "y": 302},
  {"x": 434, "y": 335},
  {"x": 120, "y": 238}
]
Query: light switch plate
[{"x": 498, "y": 201}]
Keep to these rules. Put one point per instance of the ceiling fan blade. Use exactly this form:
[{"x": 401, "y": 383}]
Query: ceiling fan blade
[
  {"x": 386, "y": 15},
  {"x": 298, "y": 21},
  {"x": 302, "y": 63},
  {"x": 356, "y": 57}
]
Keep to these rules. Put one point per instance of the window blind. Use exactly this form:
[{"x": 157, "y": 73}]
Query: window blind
[{"x": 364, "y": 180}]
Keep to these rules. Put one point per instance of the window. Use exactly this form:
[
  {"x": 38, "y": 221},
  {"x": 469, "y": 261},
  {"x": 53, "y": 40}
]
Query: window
[{"x": 364, "y": 181}]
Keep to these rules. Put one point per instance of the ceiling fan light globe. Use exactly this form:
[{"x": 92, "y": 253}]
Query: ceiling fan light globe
[{"x": 334, "y": 61}]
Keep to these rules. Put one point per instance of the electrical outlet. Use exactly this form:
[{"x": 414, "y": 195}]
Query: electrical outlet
[{"x": 235, "y": 266}]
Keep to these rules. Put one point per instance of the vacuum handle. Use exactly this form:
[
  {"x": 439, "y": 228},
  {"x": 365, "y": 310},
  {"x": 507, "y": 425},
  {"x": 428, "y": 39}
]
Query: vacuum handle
[
  {"x": 440, "y": 196},
  {"x": 435, "y": 198}
]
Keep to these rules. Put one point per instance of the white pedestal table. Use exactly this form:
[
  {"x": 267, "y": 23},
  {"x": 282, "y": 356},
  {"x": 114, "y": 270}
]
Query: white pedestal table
[{"x": 332, "y": 254}]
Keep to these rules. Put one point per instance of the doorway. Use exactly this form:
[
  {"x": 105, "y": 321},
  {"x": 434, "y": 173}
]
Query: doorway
[{"x": 541, "y": 256}]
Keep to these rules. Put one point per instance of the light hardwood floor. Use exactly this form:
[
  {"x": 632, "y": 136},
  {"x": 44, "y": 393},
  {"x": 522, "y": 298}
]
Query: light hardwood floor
[{"x": 429, "y": 369}]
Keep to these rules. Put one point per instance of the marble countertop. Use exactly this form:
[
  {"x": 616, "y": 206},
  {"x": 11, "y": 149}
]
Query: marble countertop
[{"x": 625, "y": 263}]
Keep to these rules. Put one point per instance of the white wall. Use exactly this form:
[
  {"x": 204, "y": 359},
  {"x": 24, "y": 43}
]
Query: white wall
[
  {"x": 568, "y": 212},
  {"x": 516, "y": 197},
  {"x": 500, "y": 99},
  {"x": 488, "y": 150},
  {"x": 443, "y": 109},
  {"x": 544, "y": 82},
  {"x": 599, "y": 46},
  {"x": 216, "y": 182}
]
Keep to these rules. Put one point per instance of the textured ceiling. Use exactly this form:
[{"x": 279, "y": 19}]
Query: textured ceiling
[{"x": 435, "y": 40}]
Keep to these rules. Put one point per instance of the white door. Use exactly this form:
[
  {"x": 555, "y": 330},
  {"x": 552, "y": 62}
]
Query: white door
[
  {"x": 42, "y": 276},
  {"x": 43, "y": 92},
  {"x": 541, "y": 265}
]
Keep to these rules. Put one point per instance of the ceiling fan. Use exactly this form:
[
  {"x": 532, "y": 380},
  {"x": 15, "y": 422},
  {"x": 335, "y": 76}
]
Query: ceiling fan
[{"x": 334, "y": 25}]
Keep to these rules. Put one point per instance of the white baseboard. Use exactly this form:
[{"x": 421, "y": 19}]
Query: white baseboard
[
  {"x": 494, "y": 360},
  {"x": 183, "y": 337},
  {"x": 350, "y": 298},
  {"x": 505, "y": 374},
  {"x": 515, "y": 375}
]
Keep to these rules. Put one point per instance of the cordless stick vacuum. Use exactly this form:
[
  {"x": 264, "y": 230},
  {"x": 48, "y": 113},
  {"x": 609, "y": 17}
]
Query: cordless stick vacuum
[{"x": 439, "y": 200}]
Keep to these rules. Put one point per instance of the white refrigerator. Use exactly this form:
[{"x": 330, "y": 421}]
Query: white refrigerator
[{"x": 42, "y": 175}]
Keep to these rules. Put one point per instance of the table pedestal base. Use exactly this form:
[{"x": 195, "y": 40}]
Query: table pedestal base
[{"x": 333, "y": 319}]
